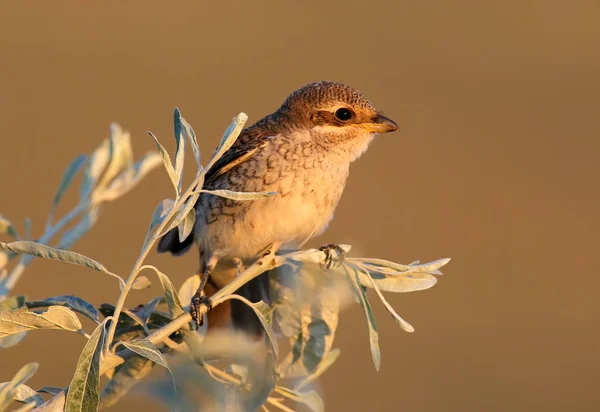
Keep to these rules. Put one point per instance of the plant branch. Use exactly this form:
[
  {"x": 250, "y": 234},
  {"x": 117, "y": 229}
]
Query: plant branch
[{"x": 144, "y": 253}]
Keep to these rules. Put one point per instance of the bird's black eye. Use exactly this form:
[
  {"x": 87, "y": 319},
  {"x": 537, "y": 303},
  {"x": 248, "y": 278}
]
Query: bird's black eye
[{"x": 343, "y": 114}]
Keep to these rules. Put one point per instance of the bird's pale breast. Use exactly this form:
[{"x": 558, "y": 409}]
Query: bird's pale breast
[{"x": 309, "y": 182}]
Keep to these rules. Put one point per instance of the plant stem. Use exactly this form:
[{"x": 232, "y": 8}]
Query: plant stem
[{"x": 143, "y": 254}]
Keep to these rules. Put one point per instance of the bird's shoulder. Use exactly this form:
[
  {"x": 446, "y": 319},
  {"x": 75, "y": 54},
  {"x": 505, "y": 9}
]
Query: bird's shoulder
[{"x": 247, "y": 145}]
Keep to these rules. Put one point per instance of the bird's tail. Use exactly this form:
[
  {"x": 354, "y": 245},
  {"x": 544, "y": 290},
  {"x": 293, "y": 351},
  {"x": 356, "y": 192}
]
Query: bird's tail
[
  {"x": 170, "y": 243},
  {"x": 233, "y": 312}
]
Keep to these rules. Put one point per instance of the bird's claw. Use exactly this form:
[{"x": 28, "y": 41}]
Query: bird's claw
[
  {"x": 330, "y": 260},
  {"x": 198, "y": 300}
]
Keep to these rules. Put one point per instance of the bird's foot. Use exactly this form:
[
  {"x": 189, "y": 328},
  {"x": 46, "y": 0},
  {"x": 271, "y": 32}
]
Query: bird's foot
[
  {"x": 198, "y": 300},
  {"x": 331, "y": 260}
]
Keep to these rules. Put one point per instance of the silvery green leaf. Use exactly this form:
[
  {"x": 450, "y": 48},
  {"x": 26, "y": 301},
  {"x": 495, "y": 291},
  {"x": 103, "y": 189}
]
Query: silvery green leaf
[
  {"x": 67, "y": 179},
  {"x": 72, "y": 302},
  {"x": 129, "y": 178},
  {"x": 3, "y": 263},
  {"x": 81, "y": 228},
  {"x": 6, "y": 227},
  {"x": 391, "y": 268},
  {"x": 263, "y": 313},
  {"x": 187, "y": 225},
  {"x": 83, "y": 390},
  {"x": 311, "y": 398},
  {"x": 183, "y": 212},
  {"x": 141, "y": 282},
  {"x": 95, "y": 167},
  {"x": 25, "y": 394},
  {"x": 161, "y": 211},
  {"x": 373, "y": 335},
  {"x": 146, "y": 349},
  {"x": 22, "y": 320},
  {"x": 432, "y": 267},
  {"x": 403, "y": 324},
  {"x": 393, "y": 277},
  {"x": 171, "y": 297},
  {"x": 179, "y": 149},
  {"x": 167, "y": 163},
  {"x": 11, "y": 303},
  {"x": 9, "y": 390},
  {"x": 188, "y": 290},
  {"x": 120, "y": 155},
  {"x": 240, "y": 195},
  {"x": 145, "y": 312},
  {"x": 395, "y": 267},
  {"x": 37, "y": 249},
  {"x": 406, "y": 283},
  {"x": 50, "y": 390},
  {"x": 325, "y": 363},
  {"x": 12, "y": 340},
  {"x": 192, "y": 139},
  {"x": 130, "y": 373},
  {"x": 229, "y": 137},
  {"x": 306, "y": 306}
]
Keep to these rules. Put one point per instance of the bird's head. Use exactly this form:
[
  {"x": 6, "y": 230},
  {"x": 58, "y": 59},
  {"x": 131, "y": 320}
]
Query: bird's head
[{"x": 336, "y": 114}]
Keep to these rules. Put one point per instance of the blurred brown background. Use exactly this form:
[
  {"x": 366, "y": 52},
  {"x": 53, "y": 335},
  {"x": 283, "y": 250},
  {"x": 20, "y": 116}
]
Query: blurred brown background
[{"x": 495, "y": 165}]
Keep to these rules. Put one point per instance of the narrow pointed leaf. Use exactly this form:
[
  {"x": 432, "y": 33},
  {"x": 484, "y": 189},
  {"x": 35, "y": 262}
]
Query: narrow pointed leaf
[
  {"x": 50, "y": 390},
  {"x": 183, "y": 212},
  {"x": 25, "y": 394},
  {"x": 141, "y": 282},
  {"x": 130, "y": 373},
  {"x": 171, "y": 297},
  {"x": 72, "y": 235},
  {"x": 229, "y": 137},
  {"x": 400, "y": 284},
  {"x": 264, "y": 314},
  {"x": 373, "y": 335},
  {"x": 179, "y": 149},
  {"x": 146, "y": 312},
  {"x": 188, "y": 289},
  {"x": 9, "y": 390},
  {"x": 21, "y": 320},
  {"x": 145, "y": 348},
  {"x": 37, "y": 249},
  {"x": 83, "y": 393},
  {"x": 6, "y": 227},
  {"x": 120, "y": 155},
  {"x": 192, "y": 139},
  {"x": 161, "y": 211},
  {"x": 11, "y": 303},
  {"x": 327, "y": 361},
  {"x": 187, "y": 225},
  {"x": 73, "y": 302},
  {"x": 403, "y": 324},
  {"x": 67, "y": 179},
  {"x": 95, "y": 167},
  {"x": 167, "y": 163},
  {"x": 129, "y": 178}
]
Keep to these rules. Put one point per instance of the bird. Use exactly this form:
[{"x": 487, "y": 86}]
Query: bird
[{"x": 302, "y": 151}]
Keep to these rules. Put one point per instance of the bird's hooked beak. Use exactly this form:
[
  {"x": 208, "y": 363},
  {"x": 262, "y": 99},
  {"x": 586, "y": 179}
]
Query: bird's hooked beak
[{"x": 381, "y": 124}]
